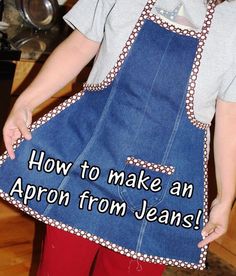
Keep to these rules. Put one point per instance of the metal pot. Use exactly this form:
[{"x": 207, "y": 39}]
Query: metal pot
[{"x": 41, "y": 14}]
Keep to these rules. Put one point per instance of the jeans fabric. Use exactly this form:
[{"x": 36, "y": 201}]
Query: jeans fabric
[
  {"x": 142, "y": 113},
  {"x": 67, "y": 254}
]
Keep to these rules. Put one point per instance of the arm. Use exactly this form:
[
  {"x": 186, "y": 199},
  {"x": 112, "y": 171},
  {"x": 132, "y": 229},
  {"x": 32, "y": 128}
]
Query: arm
[
  {"x": 63, "y": 65},
  {"x": 225, "y": 166}
]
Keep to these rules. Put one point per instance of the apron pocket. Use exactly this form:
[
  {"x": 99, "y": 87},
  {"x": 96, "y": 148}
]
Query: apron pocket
[
  {"x": 145, "y": 180},
  {"x": 150, "y": 165}
]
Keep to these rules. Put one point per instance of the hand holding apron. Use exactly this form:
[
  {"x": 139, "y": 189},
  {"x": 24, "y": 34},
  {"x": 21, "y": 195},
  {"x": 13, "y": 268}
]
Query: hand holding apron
[{"x": 124, "y": 162}]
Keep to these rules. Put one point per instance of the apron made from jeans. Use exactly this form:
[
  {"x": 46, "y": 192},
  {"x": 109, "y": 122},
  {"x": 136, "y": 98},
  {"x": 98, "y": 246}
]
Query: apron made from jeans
[{"x": 140, "y": 119}]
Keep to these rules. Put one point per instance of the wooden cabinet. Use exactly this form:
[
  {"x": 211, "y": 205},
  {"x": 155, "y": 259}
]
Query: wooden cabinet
[{"x": 26, "y": 70}]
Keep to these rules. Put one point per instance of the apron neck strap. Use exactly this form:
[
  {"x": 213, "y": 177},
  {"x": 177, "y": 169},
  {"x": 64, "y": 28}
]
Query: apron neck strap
[{"x": 208, "y": 19}]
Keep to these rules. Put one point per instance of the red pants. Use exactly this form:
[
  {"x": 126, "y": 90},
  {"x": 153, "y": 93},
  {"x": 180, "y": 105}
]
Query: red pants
[{"x": 71, "y": 255}]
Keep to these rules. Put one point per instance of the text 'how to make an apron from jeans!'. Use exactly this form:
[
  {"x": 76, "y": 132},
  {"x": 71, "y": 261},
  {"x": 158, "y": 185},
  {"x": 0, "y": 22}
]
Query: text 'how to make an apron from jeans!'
[{"x": 137, "y": 123}]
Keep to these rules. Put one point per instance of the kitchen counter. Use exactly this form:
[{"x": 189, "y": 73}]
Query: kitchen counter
[{"x": 34, "y": 44}]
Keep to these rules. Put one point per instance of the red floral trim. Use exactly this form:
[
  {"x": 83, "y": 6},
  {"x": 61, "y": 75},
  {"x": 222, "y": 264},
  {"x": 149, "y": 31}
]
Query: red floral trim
[{"x": 151, "y": 166}]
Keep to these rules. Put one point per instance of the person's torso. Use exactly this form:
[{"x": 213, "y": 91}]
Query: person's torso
[{"x": 216, "y": 60}]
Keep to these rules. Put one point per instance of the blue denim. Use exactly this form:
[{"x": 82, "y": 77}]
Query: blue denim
[{"x": 141, "y": 113}]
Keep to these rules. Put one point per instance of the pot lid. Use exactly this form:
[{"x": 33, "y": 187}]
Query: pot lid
[{"x": 41, "y": 14}]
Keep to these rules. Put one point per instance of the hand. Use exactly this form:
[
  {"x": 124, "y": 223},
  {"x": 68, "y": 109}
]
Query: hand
[
  {"x": 16, "y": 125},
  {"x": 218, "y": 222}
]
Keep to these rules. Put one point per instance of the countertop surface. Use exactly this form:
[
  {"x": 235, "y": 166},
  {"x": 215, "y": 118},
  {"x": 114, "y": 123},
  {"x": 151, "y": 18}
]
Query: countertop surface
[{"x": 37, "y": 44}]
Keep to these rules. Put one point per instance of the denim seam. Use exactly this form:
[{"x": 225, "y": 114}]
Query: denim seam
[
  {"x": 141, "y": 234},
  {"x": 121, "y": 190},
  {"x": 91, "y": 141},
  {"x": 174, "y": 131}
]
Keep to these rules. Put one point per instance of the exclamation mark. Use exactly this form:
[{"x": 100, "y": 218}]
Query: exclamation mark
[{"x": 198, "y": 216}]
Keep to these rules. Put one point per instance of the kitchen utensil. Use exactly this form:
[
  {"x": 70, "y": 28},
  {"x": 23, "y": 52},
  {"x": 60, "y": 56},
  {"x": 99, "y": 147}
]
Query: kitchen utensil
[{"x": 41, "y": 14}]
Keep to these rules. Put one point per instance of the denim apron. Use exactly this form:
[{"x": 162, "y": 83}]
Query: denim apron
[{"x": 140, "y": 123}]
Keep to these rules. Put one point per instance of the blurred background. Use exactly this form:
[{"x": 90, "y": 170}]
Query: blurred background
[{"x": 29, "y": 31}]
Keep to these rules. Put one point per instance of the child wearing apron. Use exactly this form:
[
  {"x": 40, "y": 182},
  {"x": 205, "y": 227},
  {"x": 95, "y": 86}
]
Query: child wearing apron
[{"x": 132, "y": 186}]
